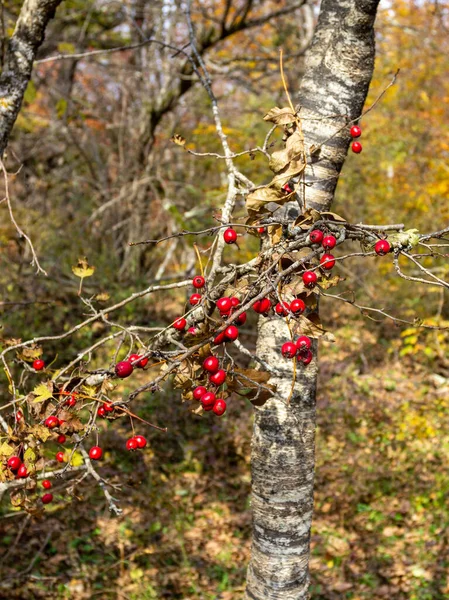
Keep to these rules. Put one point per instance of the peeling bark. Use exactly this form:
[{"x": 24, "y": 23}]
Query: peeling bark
[
  {"x": 22, "y": 48},
  {"x": 339, "y": 69}
]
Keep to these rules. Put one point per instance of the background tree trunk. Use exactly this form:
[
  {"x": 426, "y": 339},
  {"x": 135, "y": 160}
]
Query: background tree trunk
[
  {"x": 28, "y": 35},
  {"x": 339, "y": 68}
]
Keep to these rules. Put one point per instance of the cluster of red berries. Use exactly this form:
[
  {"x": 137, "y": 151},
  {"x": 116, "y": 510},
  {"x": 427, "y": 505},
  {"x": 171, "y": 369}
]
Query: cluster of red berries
[
  {"x": 217, "y": 377},
  {"x": 301, "y": 349},
  {"x": 135, "y": 442},
  {"x": 356, "y": 132},
  {"x": 124, "y": 368}
]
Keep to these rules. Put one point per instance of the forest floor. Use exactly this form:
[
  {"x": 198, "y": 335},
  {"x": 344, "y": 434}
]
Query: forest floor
[{"x": 381, "y": 524}]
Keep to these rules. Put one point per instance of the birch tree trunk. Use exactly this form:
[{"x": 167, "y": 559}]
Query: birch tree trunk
[{"x": 338, "y": 72}]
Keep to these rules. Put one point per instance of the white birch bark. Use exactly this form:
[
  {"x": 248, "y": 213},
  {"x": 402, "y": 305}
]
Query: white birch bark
[{"x": 338, "y": 72}]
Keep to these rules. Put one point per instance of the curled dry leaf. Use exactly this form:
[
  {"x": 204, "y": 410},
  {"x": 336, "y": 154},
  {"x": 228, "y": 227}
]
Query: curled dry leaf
[
  {"x": 82, "y": 270},
  {"x": 280, "y": 116},
  {"x": 178, "y": 140}
]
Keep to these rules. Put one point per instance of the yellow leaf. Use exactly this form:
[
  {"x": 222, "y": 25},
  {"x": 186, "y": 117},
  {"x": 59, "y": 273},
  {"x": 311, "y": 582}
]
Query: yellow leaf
[
  {"x": 83, "y": 269},
  {"x": 77, "y": 459},
  {"x": 29, "y": 458},
  {"x": 6, "y": 450},
  {"x": 43, "y": 392}
]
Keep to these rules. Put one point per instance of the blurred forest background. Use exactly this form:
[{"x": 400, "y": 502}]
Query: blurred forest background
[{"x": 96, "y": 169}]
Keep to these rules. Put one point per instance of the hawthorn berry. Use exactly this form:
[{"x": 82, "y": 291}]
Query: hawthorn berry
[
  {"x": 19, "y": 416},
  {"x": 71, "y": 401},
  {"x": 241, "y": 319},
  {"x": 218, "y": 378},
  {"x": 195, "y": 299},
  {"x": 224, "y": 304},
  {"x": 230, "y": 236},
  {"x": 355, "y": 131},
  {"x": 61, "y": 439},
  {"x": 329, "y": 242},
  {"x": 231, "y": 333},
  {"x": 261, "y": 230},
  {"x": 356, "y": 147},
  {"x": 131, "y": 444},
  {"x": 382, "y": 247},
  {"x": 262, "y": 306},
  {"x": 289, "y": 350},
  {"x": 327, "y": 262},
  {"x": 51, "y": 422},
  {"x": 14, "y": 463},
  {"x": 180, "y": 324},
  {"x": 59, "y": 456},
  {"x": 282, "y": 309},
  {"x": 38, "y": 364},
  {"x": 95, "y": 453},
  {"x": 137, "y": 361},
  {"x": 198, "y": 282},
  {"x": 46, "y": 484},
  {"x": 219, "y": 338},
  {"x": 22, "y": 471},
  {"x": 208, "y": 400},
  {"x": 141, "y": 441},
  {"x": 305, "y": 357},
  {"x": 192, "y": 330},
  {"x": 287, "y": 189},
  {"x": 316, "y": 236},
  {"x": 101, "y": 411},
  {"x": 47, "y": 498},
  {"x": 297, "y": 306},
  {"x": 108, "y": 407},
  {"x": 235, "y": 301},
  {"x": 219, "y": 407},
  {"x": 211, "y": 364},
  {"x": 303, "y": 343},
  {"x": 123, "y": 369},
  {"x": 309, "y": 279},
  {"x": 199, "y": 391}
]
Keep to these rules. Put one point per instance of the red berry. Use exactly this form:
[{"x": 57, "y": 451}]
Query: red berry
[
  {"x": 235, "y": 301},
  {"x": 59, "y": 456},
  {"x": 211, "y": 364},
  {"x": 47, "y": 498},
  {"x": 136, "y": 361},
  {"x": 180, "y": 324},
  {"x": 22, "y": 472},
  {"x": 303, "y": 343},
  {"x": 356, "y": 147},
  {"x": 38, "y": 364},
  {"x": 192, "y": 330},
  {"x": 306, "y": 357},
  {"x": 14, "y": 463},
  {"x": 51, "y": 422},
  {"x": 316, "y": 236},
  {"x": 289, "y": 350},
  {"x": 46, "y": 484},
  {"x": 208, "y": 400},
  {"x": 241, "y": 319},
  {"x": 219, "y": 407},
  {"x": 61, "y": 439},
  {"x": 131, "y": 444},
  {"x": 282, "y": 309},
  {"x": 355, "y": 131},
  {"x": 230, "y": 236},
  {"x": 327, "y": 262},
  {"x": 382, "y": 247},
  {"x": 218, "y": 378},
  {"x": 329, "y": 242},
  {"x": 262, "y": 306},
  {"x": 199, "y": 391},
  {"x": 143, "y": 362},
  {"x": 261, "y": 230},
  {"x": 195, "y": 299},
  {"x": 19, "y": 416},
  {"x": 224, "y": 305},
  {"x": 123, "y": 369},
  {"x": 198, "y": 282},
  {"x": 101, "y": 411},
  {"x": 297, "y": 306},
  {"x": 141, "y": 441},
  {"x": 108, "y": 407},
  {"x": 219, "y": 338},
  {"x": 309, "y": 278},
  {"x": 287, "y": 189},
  {"x": 71, "y": 401},
  {"x": 95, "y": 453},
  {"x": 231, "y": 333}
]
